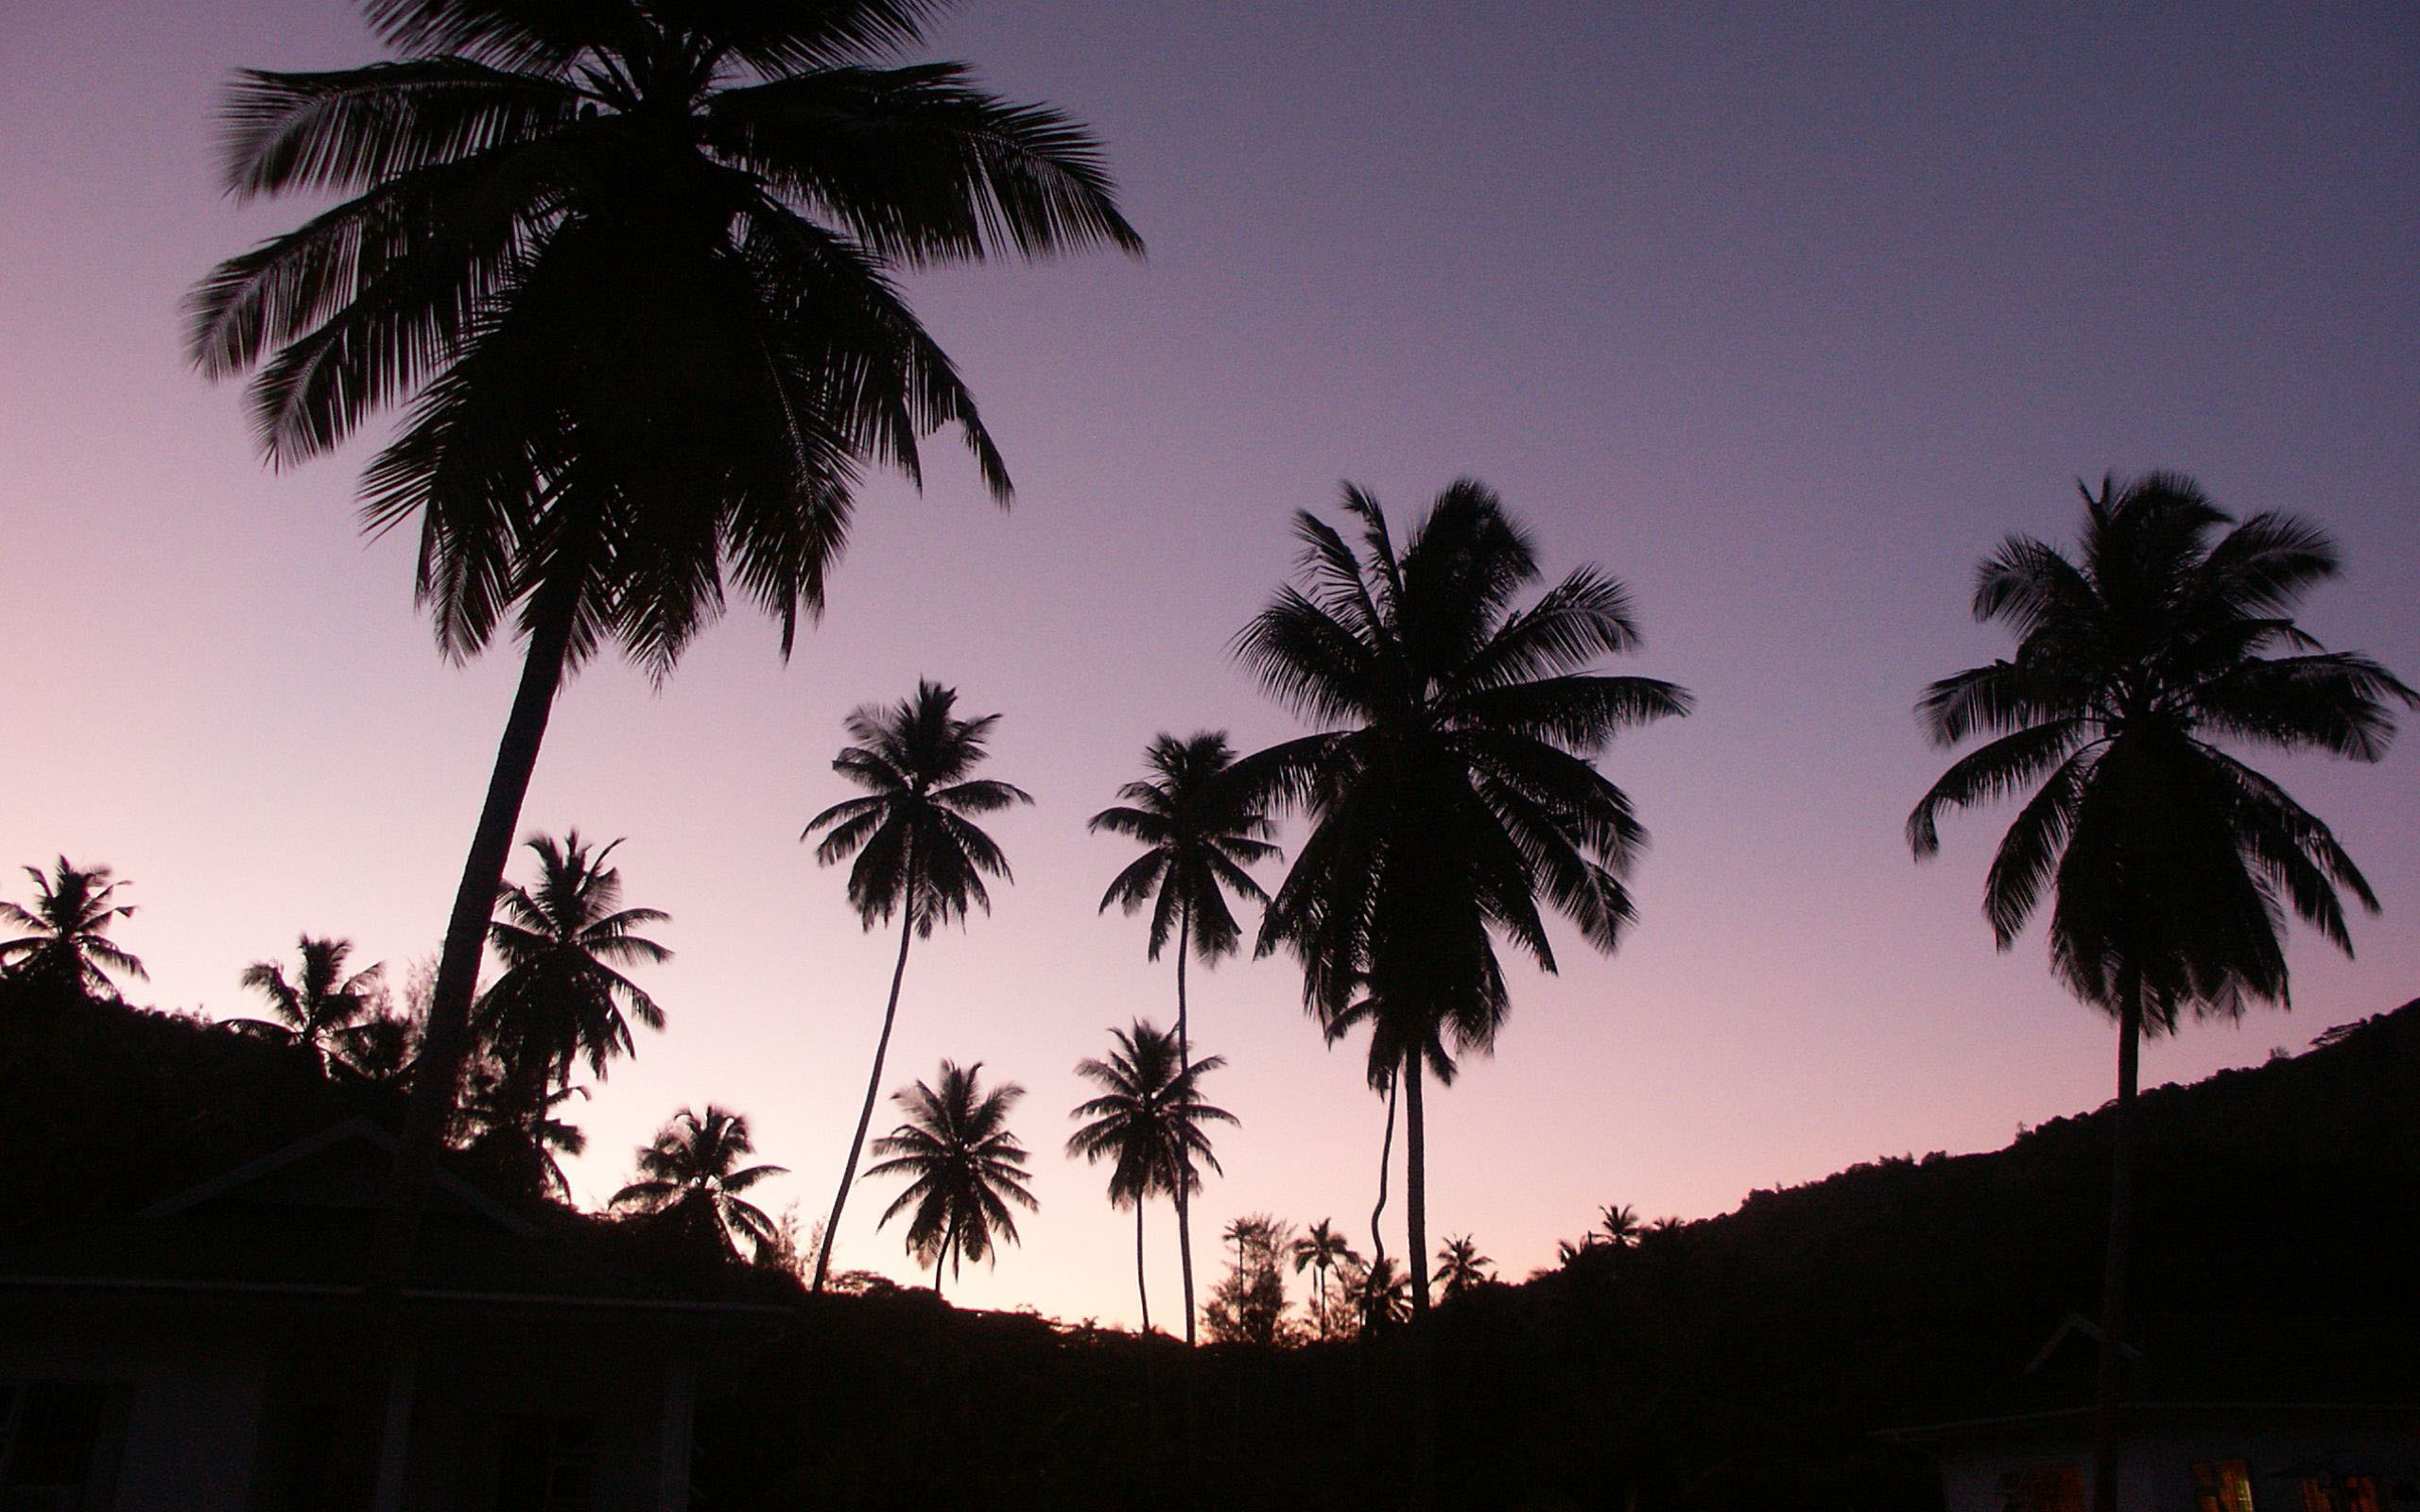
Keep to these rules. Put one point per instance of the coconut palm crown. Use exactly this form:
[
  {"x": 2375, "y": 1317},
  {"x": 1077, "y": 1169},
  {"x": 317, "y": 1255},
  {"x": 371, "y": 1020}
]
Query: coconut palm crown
[
  {"x": 319, "y": 1002},
  {"x": 562, "y": 940},
  {"x": 68, "y": 941},
  {"x": 965, "y": 1168},
  {"x": 691, "y": 1174}
]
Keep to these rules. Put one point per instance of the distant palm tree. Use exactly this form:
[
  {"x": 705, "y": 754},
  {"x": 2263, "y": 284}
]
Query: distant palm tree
[
  {"x": 1199, "y": 831},
  {"x": 319, "y": 1002},
  {"x": 70, "y": 920},
  {"x": 966, "y": 1168},
  {"x": 1460, "y": 1266},
  {"x": 634, "y": 265},
  {"x": 2172, "y": 865},
  {"x": 1616, "y": 1224},
  {"x": 525, "y": 1152},
  {"x": 1454, "y": 783},
  {"x": 691, "y": 1174},
  {"x": 561, "y": 997},
  {"x": 1148, "y": 1121},
  {"x": 1383, "y": 1294},
  {"x": 919, "y": 853},
  {"x": 1320, "y": 1252}
]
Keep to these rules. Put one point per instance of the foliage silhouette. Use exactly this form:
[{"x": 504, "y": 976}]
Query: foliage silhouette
[
  {"x": 632, "y": 265},
  {"x": 68, "y": 942},
  {"x": 320, "y": 1006},
  {"x": 497, "y": 1133},
  {"x": 966, "y": 1168},
  {"x": 1457, "y": 786},
  {"x": 919, "y": 852},
  {"x": 2172, "y": 866},
  {"x": 1248, "y": 1306},
  {"x": 1148, "y": 1122},
  {"x": 1320, "y": 1251},
  {"x": 1618, "y": 1225},
  {"x": 561, "y": 997},
  {"x": 691, "y": 1176},
  {"x": 1199, "y": 831},
  {"x": 1460, "y": 1266}
]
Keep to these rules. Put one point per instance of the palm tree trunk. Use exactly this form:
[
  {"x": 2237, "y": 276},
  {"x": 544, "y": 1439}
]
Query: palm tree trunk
[
  {"x": 2110, "y": 1377},
  {"x": 1184, "y": 1060},
  {"x": 950, "y": 1242},
  {"x": 1142, "y": 1288},
  {"x": 446, "y": 1036},
  {"x": 874, "y": 1083},
  {"x": 1423, "y": 1371},
  {"x": 1386, "y": 1159}
]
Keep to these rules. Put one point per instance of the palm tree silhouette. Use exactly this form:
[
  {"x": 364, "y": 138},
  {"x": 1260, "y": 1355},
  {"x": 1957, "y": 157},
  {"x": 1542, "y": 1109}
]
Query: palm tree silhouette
[
  {"x": 1320, "y": 1252},
  {"x": 1383, "y": 1295},
  {"x": 967, "y": 1168},
  {"x": 1457, "y": 784},
  {"x": 525, "y": 1151},
  {"x": 691, "y": 1175},
  {"x": 1148, "y": 1121},
  {"x": 1200, "y": 832},
  {"x": 919, "y": 853},
  {"x": 2170, "y": 863},
  {"x": 562, "y": 997},
  {"x": 632, "y": 269},
  {"x": 69, "y": 944},
  {"x": 1460, "y": 1266},
  {"x": 320, "y": 1002},
  {"x": 1616, "y": 1224}
]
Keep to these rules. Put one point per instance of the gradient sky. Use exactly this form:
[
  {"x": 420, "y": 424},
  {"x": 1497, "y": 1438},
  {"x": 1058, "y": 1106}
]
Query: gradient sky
[{"x": 1785, "y": 315}]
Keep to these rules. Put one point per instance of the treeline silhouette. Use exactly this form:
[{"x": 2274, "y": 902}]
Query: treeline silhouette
[{"x": 1744, "y": 1360}]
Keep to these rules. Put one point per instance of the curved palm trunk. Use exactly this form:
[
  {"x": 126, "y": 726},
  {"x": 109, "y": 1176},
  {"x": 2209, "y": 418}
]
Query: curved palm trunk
[
  {"x": 1142, "y": 1288},
  {"x": 1184, "y": 1060},
  {"x": 873, "y": 1085},
  {"x": 446, "y": 1036},
  {"x": 1386, "y": 1159},
  {"x": 2110, "y": 1378}
]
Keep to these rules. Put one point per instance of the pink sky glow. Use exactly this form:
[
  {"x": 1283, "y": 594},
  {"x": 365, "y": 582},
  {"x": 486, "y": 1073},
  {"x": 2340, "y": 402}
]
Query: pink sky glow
[{"x": 1783, "y": 315}]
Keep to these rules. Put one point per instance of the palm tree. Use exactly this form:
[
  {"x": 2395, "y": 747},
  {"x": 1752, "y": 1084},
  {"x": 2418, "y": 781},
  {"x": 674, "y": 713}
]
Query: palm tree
[
  {"x": 320, "y": 1002},
  {"x": 561, "y": 997},
  {"x": 1460, "y": 1266},
  {"x": 524, "y": 1151},
  {"x": 919, "y": 853},
  {"x": 1320, "y": 1252},
  {"x": 1616, "y": 1224},
  {"x": 1148, "y": 1121},
  {"x": 2172, "y": 867},
  {"x": 1456, "y": 782},
  {"x": 967, "y": 1168},
  {"x": 691, "y": 1174},
  {"x": 632, "y": 265},
  {"x": 69, "y": 922},
  {"x": 1199, "y": 831},
  {"x": 1383, "y": 1294}
]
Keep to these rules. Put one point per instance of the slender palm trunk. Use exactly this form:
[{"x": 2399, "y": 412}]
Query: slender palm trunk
[
  {"x": 1184, "y": 1061},
  {"x": 949, "y": 1245},
  {"x": 874, "y": 1083},
  {"x": 2110, "y": 1376},
  {"x": 1424, "y": 1368},
  {"x": 1142, "y": 1288},
  {"x": 1386, "y": 1159},
  {"x": 446, "y": 1036}
]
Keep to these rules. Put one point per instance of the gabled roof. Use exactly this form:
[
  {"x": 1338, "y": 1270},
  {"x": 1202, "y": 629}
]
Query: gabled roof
[{"x": 344, "y": 1166}]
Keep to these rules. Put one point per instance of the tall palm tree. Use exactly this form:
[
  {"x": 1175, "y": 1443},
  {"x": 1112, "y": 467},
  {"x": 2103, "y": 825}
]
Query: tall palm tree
[
  {"x": 691, "y": 1174},
  {"x": 1460, "y": 1266},
  {"x": 1148, "y": 1122},
  {"x": 319, "y": 1002},
  {"x": 68, "y": 942},
  {"x": 919, "y": 852},
  {"x": 631, "y": 265},
  {"x": 2172, "y": 867},
  {"x": 1199, "y": 831},
  {"x": 966, "y": 1168},
  {"x": 1320, "y": 1252},
  {"x": 561, "y": 997},
  {"x": 1454, "y": 783}
]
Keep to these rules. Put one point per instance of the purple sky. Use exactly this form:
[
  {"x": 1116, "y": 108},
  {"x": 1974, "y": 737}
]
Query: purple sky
[{"x": 1782, "y": 320}]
